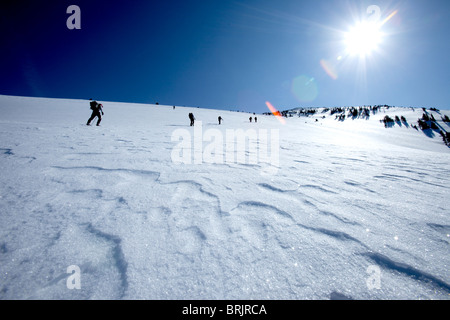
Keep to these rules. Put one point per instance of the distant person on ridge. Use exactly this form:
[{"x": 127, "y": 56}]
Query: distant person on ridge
[
  {"x": 192, "y": 118},
  {"x": 220, "y": 119},
  {"x": 97, "y": 111}
]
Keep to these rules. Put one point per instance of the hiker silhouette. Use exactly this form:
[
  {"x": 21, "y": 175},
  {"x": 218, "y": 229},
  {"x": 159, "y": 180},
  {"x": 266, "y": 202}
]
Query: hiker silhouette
[
  {"x": 192, "y": 118},
  {"x": 97, "y": 111}
]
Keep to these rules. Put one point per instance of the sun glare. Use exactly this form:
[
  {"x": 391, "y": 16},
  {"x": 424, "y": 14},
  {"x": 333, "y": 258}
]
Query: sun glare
[{"x": 363, "y": 38}]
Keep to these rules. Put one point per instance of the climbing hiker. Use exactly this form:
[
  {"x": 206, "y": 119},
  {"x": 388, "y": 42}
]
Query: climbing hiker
[
  {"x": 97, "y": 111},
  {"x": 192, "y": 118}
]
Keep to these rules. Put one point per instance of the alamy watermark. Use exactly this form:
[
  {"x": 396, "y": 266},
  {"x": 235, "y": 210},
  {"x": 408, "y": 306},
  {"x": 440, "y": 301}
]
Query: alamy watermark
[
  {"x": 74, "y": 280},
  {"x": 374, "y": 13},
  {"x": 238, "y": 146},
  {"x": 374, "y": 279},
  {"x": 74, "y": 21}
]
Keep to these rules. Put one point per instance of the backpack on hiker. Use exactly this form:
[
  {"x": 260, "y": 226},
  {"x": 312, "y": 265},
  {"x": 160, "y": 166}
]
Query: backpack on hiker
[{"x": 93, "y": 105}]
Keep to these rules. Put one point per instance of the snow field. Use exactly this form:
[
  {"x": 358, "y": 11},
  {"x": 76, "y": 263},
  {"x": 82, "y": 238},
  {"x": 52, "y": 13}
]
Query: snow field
[{"x": 345, "y": 196}]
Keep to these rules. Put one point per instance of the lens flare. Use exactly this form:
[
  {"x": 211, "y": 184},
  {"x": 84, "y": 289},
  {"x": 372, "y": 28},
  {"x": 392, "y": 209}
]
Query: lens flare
[
  {"x": 329, "y": 68},
  {"x": 305, "y": 88},
  {"x": 389, "y": 17},
  {"x": 275, "y": 112}
]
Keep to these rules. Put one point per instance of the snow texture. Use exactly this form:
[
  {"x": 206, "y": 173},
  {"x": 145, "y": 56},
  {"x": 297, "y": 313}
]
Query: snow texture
[{"x": 346, "y": 196}]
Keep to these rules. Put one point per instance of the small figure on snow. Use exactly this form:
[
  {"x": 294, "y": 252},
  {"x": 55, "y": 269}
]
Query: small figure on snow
[
  {"x": 250, "y": 119},
  {"x": 192, "y": 118},
  {"x": 220, "y": 119},
  {"x": 256, "y": 119},
  {"x": 97, "y": 111}
]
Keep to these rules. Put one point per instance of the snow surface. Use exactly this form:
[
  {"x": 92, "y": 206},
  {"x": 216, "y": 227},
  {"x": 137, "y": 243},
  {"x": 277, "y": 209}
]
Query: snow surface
[{"x": 346, "y": 198}]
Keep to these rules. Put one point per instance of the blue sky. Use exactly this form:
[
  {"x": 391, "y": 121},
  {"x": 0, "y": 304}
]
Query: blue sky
[{"x": 232, "y": 55}]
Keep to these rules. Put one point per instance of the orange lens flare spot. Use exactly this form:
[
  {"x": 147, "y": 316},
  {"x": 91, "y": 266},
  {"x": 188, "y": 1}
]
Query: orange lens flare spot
[
  {"x": 275, "y": 112},
  {"x": 389, "y": 17}
]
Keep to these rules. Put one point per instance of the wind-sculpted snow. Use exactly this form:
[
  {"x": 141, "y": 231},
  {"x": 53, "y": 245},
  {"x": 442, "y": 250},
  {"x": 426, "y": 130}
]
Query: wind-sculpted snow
[
  {"x": 409, "y": 271},
  {"x": 350, "y": 209}
]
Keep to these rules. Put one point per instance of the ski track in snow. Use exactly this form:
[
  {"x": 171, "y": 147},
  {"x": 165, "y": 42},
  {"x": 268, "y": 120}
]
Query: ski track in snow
[{"x": 111, "y": 201}]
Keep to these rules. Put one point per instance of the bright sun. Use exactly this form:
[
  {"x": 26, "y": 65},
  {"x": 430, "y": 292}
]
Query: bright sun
[{"x": 363, "y": 38}]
